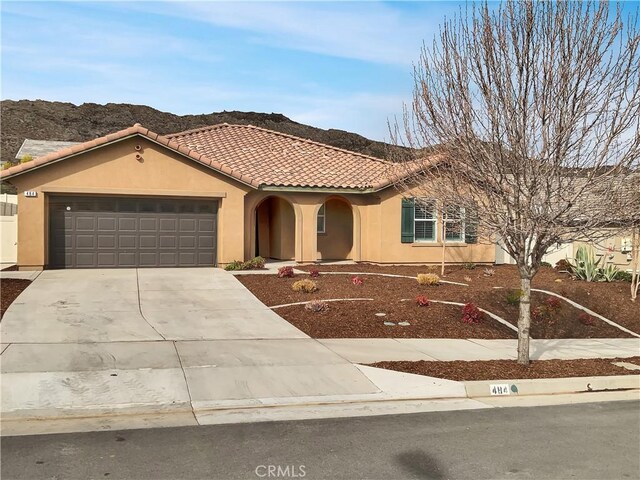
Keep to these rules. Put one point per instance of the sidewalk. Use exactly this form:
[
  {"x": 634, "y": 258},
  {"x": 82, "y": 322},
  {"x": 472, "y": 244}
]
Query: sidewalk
[{"x": 371, "y": 350}]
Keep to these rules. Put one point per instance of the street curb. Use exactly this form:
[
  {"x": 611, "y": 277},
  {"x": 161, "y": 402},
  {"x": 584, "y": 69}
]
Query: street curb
[
  {"x": 551, "y": 386},
  {"x": 28, "y": 422}
]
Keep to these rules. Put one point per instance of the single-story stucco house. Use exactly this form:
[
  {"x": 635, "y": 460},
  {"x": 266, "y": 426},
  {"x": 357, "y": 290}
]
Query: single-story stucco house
[{"x": 216, "y": 194}]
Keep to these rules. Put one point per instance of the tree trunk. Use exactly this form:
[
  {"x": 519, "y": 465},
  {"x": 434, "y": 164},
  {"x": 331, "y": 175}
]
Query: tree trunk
[
  {"x": 444, "y": 245},
  {"x": 524, "y": 321}
]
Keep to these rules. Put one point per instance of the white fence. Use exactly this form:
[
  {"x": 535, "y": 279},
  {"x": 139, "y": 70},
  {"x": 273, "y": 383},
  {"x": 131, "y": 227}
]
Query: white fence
[{"x": 9, "y": 239}]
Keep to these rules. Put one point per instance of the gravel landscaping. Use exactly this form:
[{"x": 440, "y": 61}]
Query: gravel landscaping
[
  {"x": 10, "y": 288},
  {"x": 509, "y": 369},
  {"x": 555, "y": 318}
]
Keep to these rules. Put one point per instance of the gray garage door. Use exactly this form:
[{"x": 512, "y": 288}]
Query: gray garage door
[{"x": 107, "y": 232}]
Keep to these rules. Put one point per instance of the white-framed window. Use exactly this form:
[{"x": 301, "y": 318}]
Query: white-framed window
[
  {"x": 454, "y": 224},
  {"x": 321, "y": 223},
  {"x": 425, "y": 220}
]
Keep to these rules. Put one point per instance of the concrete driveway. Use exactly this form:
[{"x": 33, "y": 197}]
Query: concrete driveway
[
  {"x": 190, "y": 342},
  {"x": 81, "y": 306}
]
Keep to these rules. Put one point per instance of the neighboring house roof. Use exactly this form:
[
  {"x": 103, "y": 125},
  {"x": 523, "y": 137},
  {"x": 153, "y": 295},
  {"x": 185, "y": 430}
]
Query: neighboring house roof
[
  {"x": 40, "y": 148},
  {"x": 254, "y": 156}
]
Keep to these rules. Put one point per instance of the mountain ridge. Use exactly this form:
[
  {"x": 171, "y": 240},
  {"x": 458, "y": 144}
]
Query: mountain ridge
[{"x": 46, "y": 120}]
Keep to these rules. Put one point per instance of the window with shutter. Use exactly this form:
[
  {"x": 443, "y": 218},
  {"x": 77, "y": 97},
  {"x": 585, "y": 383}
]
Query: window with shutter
[
  {"x": 407, "y": 220},
  {"x": 425, "y": 220}
]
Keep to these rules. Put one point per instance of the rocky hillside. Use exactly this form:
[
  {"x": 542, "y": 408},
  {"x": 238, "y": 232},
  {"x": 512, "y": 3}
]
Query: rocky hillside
[{"x": 43, "y": 120}]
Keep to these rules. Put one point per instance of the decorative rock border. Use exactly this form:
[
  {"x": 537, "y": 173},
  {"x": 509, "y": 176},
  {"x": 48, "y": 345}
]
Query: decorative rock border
[
  {"x": 323, "y": 300},
  {"x": 383, "y": 275},
  {"x": 590, "y": 312},
  {"x": 492, "y": 315}
]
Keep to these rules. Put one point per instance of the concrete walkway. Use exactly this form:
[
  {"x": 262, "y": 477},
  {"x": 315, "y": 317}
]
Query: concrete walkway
[{"x": 371, "y": 350}]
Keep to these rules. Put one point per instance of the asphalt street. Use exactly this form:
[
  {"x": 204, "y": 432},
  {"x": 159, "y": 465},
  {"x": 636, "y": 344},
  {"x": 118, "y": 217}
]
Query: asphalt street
[{"x": 600, "y": 440}]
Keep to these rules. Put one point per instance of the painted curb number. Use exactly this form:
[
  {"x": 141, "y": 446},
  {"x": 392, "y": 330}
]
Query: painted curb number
[{"x": 499, "y": 389}]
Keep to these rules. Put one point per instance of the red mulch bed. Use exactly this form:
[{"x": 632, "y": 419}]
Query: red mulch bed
[
  {"x": 357, "y": 319},
  {"x": 10, "y": 288},
  {"x": 612, "y": 300},
  {"x": 511, "y": 370},
  {"x": 11, "y": 268}
]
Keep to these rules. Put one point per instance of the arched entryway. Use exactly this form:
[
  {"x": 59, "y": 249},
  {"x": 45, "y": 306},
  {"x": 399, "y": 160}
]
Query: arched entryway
[
  {"x": 335, "y": 230},
  {"x": 275, "y": 222}
]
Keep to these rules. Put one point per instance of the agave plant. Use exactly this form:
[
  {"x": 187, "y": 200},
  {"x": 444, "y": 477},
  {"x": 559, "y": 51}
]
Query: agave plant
[
  {"x": 585, "y": 265},
  {"x": 609, "y": 273}
]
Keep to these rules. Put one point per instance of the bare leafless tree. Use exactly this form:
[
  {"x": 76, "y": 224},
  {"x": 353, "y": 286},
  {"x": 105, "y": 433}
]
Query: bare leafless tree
[{"x": 529, "y": 114}]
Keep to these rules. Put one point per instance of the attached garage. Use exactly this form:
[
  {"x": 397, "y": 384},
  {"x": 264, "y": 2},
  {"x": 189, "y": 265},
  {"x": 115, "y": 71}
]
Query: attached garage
[{"x": 111, "y": 232}]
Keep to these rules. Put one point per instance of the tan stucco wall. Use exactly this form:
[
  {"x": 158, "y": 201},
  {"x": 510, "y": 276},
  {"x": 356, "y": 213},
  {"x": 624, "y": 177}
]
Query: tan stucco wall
[
  {"x": 375, "y": 233},
  {"x": 337, "y": 241},
  {"x": 381, "y": 238},
  {"x": 114, "y": 169},
  {"x": 610, "y": 247}
]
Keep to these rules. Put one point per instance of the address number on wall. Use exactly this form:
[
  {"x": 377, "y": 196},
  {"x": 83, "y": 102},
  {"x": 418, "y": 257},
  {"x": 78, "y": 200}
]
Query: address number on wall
[{"x": 30, "y": 193}]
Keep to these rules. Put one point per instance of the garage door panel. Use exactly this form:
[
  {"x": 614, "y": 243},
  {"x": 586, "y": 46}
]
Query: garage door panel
[
  {"x": 206, "y": 225},
  {"x": 206, "y": 258},
  {"x": 168, "y": 225},
  {"x": 85, "y": 223},
  {"x": 187, "y": 258},
  {"x": 127, "y": 259},
  {"x": 85, "y": 241},
  {"x": 148, "y": 224},
  {"x": 148, "y": 259},
  {"x": 85, "y": 259},
  {"x": 130, "y": 232},
  {"x": 206, "y": 241},
  {"x": 188, "y": 224},
  {"x": 127, "y": 241},
  {"x": 107, "y": 224},
  {"x": 168, "y": 259},
  {"x": 148, "y": 241},
  {"x": 106, "y": 241},
  {"x": 187, "y": 241},
  {"x": 168, "y": 241},
  {"x": 127, "y": 224},
  {"x": 107, "y": 259}
]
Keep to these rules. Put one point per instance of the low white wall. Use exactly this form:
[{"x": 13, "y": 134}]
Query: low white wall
[{"x": 9, "y": 239}]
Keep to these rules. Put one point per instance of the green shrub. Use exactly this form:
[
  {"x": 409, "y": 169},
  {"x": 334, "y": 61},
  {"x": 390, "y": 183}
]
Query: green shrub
[
  {"x": 624, "y": 276},
  {"x": 256, "y": 263},
  {"x": 545, "y": 264},
  {"x": 428, "y": 279},
  {"x": 469, "y": 266},
  {"x": 235, "y": 265},
  {"x": 513, "y": 297},
  {"x": 306, "y": 286},
  {"x": 26, "y": 158}
]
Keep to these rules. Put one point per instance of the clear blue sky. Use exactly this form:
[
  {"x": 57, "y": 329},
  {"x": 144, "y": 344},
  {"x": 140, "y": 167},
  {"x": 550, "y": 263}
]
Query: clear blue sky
[{"x": 329, "y": 64}]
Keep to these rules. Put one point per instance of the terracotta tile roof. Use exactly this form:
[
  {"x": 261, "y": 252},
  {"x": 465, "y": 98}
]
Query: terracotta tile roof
[
  {"x": 277, "y": 159},
  {"x": 254, "y": 156}
]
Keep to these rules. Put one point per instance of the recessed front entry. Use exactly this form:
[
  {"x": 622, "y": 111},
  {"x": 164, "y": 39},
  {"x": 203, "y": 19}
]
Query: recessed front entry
[{"x": 110, "y": 232}]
